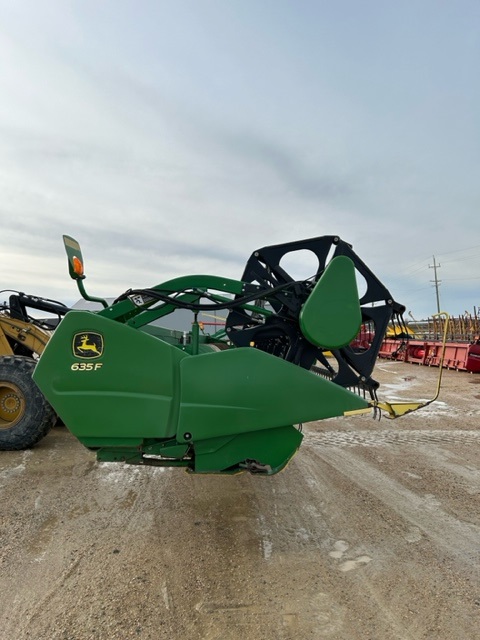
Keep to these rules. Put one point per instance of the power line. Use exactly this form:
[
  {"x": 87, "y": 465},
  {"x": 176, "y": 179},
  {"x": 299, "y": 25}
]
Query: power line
[
  {"x": 418, "y": 266},
  {"x": 471, "y": 257},
  {"x": 410, "y": 290},
  {"x": 417, "y": 270},
  {"x": 446, "y": 253},
  {"x": 462, "y": 279}
]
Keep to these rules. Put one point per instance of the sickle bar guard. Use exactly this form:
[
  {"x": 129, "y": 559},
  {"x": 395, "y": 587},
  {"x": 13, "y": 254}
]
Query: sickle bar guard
[{"x": 136, "y": 392}]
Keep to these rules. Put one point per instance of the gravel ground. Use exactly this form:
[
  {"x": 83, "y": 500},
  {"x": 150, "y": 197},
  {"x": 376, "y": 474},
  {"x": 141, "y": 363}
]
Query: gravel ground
[{"x": 372, "y": 532}]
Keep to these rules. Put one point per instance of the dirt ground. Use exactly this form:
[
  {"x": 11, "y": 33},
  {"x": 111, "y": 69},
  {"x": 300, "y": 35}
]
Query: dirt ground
[{"x": 372, "y": 532}]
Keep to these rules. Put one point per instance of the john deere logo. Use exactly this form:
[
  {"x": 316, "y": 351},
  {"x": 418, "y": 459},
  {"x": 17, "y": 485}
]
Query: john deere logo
[{"x": 87, "y": 345}]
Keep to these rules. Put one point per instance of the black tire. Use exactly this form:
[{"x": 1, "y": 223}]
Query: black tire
[{"x": 25, "y": 415}]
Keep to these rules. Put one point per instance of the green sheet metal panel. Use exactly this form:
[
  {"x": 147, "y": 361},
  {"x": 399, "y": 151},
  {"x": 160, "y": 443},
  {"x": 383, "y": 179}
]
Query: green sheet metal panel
[
  {"x": 127, "y": 388},
  {"x": 331, "y": 316},
  {"x": 246, "y": 389},
  {"x": 269, "y": 447}
]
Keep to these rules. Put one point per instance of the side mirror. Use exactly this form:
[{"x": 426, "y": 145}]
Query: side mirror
[
  {"x": 75, "y": 258},
  {"x": 76, "y": 269}
]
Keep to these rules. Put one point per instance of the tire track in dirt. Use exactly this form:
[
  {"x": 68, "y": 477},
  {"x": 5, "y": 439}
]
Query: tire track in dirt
[
  {"x": 396, "y": 581},
  {"x": 311, "y": 522},
  {"x": 75, "y": 556},
  {"x": 447, "y": 462},
  {"x": 364, "y": 438},
  {"x": 458, "y": 538}
]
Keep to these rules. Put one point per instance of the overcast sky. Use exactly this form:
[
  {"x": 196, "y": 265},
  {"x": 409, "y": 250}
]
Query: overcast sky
[{"x": 176, "y": 137}]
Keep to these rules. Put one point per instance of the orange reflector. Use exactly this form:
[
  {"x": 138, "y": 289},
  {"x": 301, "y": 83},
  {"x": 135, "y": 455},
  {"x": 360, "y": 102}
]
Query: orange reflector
[{"x": 77, "y": 266}]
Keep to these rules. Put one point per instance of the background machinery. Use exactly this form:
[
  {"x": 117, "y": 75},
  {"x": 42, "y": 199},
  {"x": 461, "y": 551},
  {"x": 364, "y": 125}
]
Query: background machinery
[
  {"x": 133, "y": 391},
  {"x": 25, "y": 415}
]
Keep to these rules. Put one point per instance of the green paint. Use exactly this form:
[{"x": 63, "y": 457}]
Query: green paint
[
  {"x": 153, "y": 397},
  {"x": 331, "y": 316}
]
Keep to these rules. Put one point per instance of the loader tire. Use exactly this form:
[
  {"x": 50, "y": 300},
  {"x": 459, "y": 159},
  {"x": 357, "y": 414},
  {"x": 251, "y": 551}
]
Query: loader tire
[{"x": 25, "y": 415}]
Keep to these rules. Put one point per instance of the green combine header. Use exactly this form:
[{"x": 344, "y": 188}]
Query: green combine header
[{"x": 139, "y": 393}]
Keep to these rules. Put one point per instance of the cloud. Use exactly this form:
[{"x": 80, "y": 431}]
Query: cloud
[{"x": 182, "y": 145}]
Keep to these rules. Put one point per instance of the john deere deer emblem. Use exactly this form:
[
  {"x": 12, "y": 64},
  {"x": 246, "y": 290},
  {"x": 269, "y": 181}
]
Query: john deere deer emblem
[{"x": 87, "y": 345}]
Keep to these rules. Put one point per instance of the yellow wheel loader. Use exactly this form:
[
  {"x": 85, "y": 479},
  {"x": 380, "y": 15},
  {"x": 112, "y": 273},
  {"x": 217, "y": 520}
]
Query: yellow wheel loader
[{"x": 25, "y": 415}]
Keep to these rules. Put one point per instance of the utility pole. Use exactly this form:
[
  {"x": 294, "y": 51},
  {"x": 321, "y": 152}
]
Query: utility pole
[{"x": 437, "y": 282}]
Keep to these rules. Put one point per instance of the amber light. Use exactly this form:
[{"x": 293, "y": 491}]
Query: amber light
[{"x": 77, "y": 266}]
